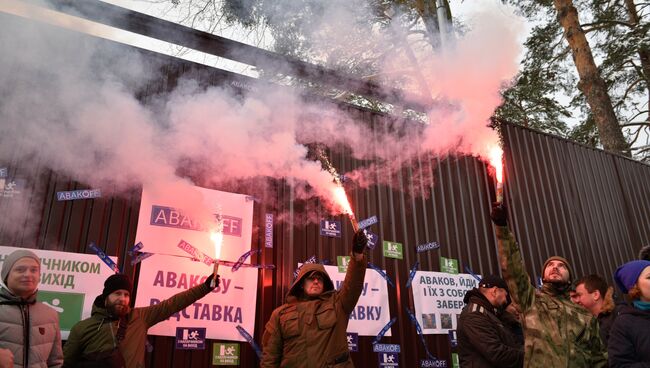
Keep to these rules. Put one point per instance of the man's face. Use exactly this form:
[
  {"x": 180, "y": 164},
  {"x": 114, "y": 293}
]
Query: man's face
[
  {"x": 313, "y": 285},
  {"x": 585, "y": 298},
  {"x": 556, "y": 271},
  {"x": 501, "y": 297},
  {"x": 117, "y": 303},
  {"x": 24, "y": 277}
]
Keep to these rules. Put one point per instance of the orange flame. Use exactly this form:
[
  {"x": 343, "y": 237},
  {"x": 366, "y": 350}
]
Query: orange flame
[
  {"x": 342, "y": 200},
  {"x": 217, "y": 238},
  {"x": 496, "y": 160}
]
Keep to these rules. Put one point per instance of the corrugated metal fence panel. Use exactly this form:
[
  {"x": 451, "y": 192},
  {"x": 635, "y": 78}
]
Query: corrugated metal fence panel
[{"x": 570, "y": 200}]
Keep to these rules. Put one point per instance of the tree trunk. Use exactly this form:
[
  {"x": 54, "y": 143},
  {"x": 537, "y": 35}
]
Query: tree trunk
[
  {"x": 644, "y": 52},
  {"x": 591, "y": 84}
]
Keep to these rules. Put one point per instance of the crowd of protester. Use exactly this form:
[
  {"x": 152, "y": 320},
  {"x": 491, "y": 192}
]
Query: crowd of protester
[
  {"x": 506, "y": 322},
  {"x": 567, "y": 322}
]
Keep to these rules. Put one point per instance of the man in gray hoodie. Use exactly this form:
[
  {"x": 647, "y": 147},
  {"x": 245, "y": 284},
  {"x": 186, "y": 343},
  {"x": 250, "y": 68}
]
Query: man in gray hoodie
[{"x": 30, "y": 330}]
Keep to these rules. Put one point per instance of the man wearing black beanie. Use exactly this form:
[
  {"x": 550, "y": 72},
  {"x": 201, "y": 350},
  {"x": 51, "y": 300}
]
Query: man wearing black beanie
[{"x": 115, "y": 336}]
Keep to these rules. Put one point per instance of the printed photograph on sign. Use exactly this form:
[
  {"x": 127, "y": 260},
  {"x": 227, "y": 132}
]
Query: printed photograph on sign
[{"x": 429, "y": 321}]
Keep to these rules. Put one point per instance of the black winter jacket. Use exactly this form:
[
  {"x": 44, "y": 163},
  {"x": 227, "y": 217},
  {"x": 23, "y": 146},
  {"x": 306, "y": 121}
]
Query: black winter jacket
[
  {"x": 629, "y": 339},
  {"x": 483, "y": 340}
]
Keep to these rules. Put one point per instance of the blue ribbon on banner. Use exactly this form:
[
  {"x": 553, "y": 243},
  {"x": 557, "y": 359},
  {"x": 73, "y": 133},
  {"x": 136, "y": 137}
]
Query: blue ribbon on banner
[
  {"x": 100, "y": 253},
  {"x": 136, "y": 249},
  {"x": 243, "y": 257},
  {"x": 250, "y": 340},
  {"x": 412, "y": 274},
  {"x": 419, "y": 330},
  {"x": 381, "y": 273},
  {"x": 141, "y": 256},
  {"x": 469, "y": 271},
  {"x": 383, "y": 330}
]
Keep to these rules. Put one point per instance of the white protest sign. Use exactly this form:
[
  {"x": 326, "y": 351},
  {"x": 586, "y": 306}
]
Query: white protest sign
[
  {"x": 70, "y": 282},
  {"x": 372, "y": 312},
  {"x": 438, "y": 299},
  {"x": 166, "y": 220}
]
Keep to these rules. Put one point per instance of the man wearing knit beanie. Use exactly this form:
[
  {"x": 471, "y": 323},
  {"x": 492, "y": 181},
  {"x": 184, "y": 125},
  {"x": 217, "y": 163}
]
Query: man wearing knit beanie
[
  {"x": 115, "y": 335},
  {"x": 30, "y": 330},
  {"x": 557, "y": 332}
]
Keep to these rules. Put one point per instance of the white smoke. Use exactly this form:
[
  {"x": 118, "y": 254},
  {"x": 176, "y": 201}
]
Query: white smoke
[{"x": 68, "y": 103}]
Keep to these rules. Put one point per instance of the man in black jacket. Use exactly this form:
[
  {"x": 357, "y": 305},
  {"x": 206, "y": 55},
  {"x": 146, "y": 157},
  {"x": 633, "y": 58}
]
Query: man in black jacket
[{"x": 483, "y": 340}]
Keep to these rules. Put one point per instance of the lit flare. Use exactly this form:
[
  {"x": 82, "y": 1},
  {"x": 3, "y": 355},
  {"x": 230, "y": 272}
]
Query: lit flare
[
  {"x": 217, "y": 239},
  {"x": 496, "y": 161},
  {"x": 342, "y": 200}
]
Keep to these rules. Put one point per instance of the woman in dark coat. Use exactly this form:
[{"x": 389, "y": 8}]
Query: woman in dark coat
[{"x": 629, "y": 340}]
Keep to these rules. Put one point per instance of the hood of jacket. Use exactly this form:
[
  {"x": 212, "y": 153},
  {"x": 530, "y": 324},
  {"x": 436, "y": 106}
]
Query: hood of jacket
[
  {"x": 629, "y": 309},
  {"x": 296, "y": 287},
  {"x": 99, "y": 309},
  {"x": 7, "y": 295}
]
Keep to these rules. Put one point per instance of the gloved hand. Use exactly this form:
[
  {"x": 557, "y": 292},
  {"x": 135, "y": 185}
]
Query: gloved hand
[
  {"x": 209, "y": 279},
  {"x": 359, "y": 241},
  {"x": 499, "y": 214}
]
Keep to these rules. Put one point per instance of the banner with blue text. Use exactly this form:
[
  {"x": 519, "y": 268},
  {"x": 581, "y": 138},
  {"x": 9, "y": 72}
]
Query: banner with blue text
[{"x": 191, "y": 216}]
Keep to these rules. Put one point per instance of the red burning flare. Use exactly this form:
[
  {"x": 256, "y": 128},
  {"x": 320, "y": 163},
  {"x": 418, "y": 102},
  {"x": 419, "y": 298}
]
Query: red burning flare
[
  {"x": 496, "y": 160},
  {"x": 342, "y": 200}
]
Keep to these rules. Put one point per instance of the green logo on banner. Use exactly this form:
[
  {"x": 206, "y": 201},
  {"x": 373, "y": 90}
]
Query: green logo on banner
[
  {"x": 342, "y": 262},
  {"x": 449, "y": 265},
  {"x": 69, "y": 305},
  {"x": 393, "y": 250},
  {"x": 225, "y": 354},
  {"x": 455, "y": 363}
]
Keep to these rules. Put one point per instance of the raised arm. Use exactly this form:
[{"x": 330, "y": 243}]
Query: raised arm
[
  {"x": 512, "y": 264},
  {"x": 160, "y": 312},
  {"x": 353, "y": 283}
]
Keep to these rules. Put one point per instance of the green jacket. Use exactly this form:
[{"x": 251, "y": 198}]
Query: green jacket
[
  {"x": 312, "y": 332},
  {"x": 96, "y": 335},
  {"x": 557, "y": 332}
]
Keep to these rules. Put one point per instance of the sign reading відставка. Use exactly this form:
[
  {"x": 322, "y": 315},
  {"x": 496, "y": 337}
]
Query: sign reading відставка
[{"x": 166, "y": 230}]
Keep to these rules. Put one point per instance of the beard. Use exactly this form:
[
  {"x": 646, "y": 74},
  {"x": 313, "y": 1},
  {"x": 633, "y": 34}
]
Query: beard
[{"x": 117, "y": 309}]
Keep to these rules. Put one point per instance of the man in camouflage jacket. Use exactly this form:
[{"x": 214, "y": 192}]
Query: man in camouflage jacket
[{"x": 557, "y": 332}]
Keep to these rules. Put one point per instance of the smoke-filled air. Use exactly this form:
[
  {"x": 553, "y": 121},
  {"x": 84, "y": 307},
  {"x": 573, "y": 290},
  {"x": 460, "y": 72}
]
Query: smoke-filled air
[{"x": 74, "y": 106}]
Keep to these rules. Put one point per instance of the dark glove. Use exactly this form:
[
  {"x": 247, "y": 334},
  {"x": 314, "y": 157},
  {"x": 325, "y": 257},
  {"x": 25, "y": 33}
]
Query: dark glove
[
  {"x": 499, "y": 214},
  {"x": 359, "y": 241},
  {"x": 209, "y": 279}
]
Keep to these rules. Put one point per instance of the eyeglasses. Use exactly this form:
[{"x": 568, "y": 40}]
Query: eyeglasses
[{"x": 315, "y": 277}]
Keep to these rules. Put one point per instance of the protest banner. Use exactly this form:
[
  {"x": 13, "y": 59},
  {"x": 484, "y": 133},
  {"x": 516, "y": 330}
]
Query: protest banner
[
  {"x": 372, "y": 311},
  {"x": 166, "y": 220},
  {"x": 438, "y": 299},
  {"x": 70, "y": 282}
]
